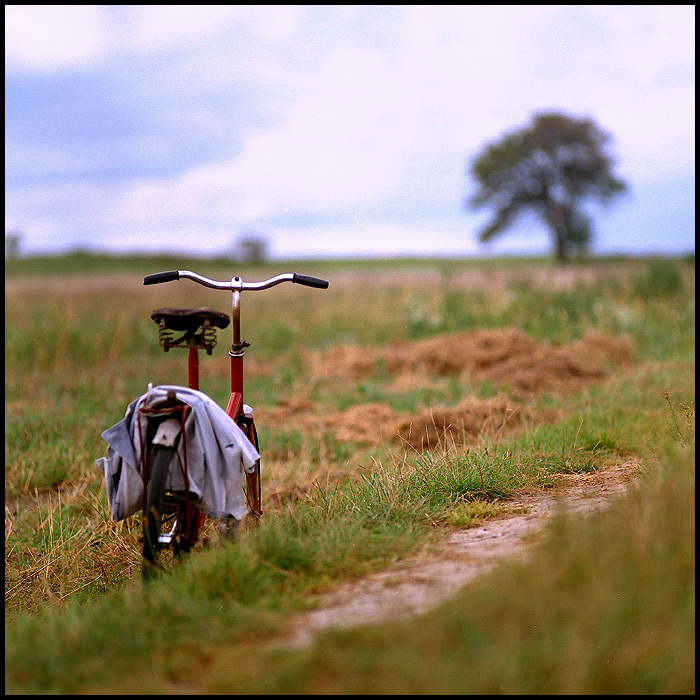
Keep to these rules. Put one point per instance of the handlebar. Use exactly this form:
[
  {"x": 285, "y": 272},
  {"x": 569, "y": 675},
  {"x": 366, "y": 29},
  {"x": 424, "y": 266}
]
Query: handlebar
[{"x": 236, "y": 284}]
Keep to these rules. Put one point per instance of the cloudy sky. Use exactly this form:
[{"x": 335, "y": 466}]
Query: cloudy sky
[{"x": 330, "y": 129}]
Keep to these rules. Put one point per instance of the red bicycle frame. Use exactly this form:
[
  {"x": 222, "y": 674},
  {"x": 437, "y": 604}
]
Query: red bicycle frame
[{"x": 236, "y": 407}]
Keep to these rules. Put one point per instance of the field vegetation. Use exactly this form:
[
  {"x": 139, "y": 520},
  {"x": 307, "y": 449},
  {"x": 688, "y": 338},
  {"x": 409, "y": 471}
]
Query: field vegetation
[{"x": 411, "y": 397}]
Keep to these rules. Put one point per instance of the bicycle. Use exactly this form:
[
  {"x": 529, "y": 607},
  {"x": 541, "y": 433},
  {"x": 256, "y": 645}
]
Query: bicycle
[{"x": 163, "y": 429}]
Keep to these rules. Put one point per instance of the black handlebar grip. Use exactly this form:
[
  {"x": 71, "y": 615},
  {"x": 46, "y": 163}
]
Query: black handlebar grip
[
  {"x": 158, "y": 277},
  {"x": 310, "y": 281}
]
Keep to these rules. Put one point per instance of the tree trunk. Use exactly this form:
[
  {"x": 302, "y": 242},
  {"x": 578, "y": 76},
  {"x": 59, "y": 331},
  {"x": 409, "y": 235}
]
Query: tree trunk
[
  {"x": 561, "y": 248},
  {"x": 557, "y": 223}
]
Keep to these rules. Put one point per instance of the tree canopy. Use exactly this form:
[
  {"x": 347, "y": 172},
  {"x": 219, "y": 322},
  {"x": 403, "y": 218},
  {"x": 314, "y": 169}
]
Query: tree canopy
[{"x": 548, "y": 168}]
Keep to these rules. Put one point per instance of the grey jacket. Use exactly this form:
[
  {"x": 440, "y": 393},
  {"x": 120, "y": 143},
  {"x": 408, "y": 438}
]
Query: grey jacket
[{"x": 217, "y": 451}]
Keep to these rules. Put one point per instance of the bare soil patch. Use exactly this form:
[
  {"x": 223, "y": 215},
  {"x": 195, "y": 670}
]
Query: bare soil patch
[
  {"x": 370, "y": 424},
  {"x": 501, "y": 356},
  {"x": 509, "y": 359},
  {"x": 414, "y": 585}
]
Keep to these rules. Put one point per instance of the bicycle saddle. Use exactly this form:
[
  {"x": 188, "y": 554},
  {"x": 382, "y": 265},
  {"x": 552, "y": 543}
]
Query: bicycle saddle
[{"x": 189, "y": 320}]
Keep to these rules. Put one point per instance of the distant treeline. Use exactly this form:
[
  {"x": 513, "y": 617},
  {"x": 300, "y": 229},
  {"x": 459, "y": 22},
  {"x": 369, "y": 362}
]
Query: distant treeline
[{"x": 83, "y": 262}]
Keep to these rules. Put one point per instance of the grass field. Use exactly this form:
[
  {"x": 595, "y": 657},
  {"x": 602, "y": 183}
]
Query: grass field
[{"x": 409, "y": 398}]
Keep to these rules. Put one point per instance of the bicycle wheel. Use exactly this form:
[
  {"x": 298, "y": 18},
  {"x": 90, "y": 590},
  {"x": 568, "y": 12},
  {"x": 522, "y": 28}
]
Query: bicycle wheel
[
  {"x": 251, "y": 483},
  {"x": 171, "y": 523},
  {"x": 153, "y": 518}
]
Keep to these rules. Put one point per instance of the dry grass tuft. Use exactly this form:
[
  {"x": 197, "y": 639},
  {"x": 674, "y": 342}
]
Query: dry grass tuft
[{"x": 506, "y": 357}]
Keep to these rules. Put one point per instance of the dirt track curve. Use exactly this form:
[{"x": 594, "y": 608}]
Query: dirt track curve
[{"x": 414, "y": 585}]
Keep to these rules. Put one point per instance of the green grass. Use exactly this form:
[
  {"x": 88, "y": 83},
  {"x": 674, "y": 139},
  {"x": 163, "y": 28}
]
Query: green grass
[
  {"x": 242, "y": 593},
  {"x": 605, "y": 606},
  {"x": 78, "y": 619}
]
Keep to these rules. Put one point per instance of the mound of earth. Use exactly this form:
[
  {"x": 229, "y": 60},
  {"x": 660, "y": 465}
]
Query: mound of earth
[
  {"x": 373, "y": 423},
  {"x": 504, "y": 357},
  {"x": 465, "y": 423}
]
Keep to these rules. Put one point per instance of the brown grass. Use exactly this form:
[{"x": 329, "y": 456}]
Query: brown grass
[
  {"x": 502, "y": 357},
  {"x": 506, "y": 358}
]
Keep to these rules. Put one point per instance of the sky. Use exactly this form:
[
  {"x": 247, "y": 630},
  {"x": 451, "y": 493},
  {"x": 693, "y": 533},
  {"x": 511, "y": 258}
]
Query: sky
[{"x": 331, "y": 130}]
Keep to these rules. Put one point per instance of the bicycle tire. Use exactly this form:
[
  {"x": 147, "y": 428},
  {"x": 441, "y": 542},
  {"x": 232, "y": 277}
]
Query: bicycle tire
[
  {"x": 252, "y": 486},
  {"x": 162, "y": 507},
  {"x": 155, "y": 493}
]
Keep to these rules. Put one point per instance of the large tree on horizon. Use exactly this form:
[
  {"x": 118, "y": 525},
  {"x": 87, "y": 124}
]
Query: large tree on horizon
[{"x": 548, "y": 168}]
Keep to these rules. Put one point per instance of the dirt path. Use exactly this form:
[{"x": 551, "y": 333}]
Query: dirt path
[{"x": 415, "y": 585}]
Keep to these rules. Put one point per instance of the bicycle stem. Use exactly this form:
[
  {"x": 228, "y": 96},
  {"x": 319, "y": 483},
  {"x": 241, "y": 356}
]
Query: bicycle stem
[
  {"x": 237, "y": 346},
  {"x": 237, "y": 352}
]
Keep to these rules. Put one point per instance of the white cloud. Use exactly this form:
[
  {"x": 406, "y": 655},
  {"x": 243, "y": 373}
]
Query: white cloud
[
  {"x": 362, "y": 106},
  {"x": 52, "y": 37},
  {"x": 358, "y": 236},
  {"x": 159, "y": 27},
  {"x": 362, "y": 118}
]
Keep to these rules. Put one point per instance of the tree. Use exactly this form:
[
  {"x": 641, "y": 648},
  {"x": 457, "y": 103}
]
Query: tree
[
  {"x": 548, "y": 169},
  {"x": 251, "y": 248},
  {"x": 12, "y": 244}
]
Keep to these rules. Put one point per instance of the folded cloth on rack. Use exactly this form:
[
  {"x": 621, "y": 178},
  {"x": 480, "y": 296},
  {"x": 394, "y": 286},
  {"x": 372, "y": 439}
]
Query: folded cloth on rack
[{"x": 215, "y": 448}]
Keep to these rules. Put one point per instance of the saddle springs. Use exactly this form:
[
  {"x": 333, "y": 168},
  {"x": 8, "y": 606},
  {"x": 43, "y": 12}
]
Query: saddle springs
[{"x": 198, "y": 327}]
